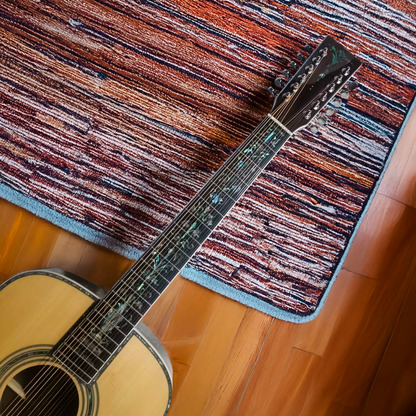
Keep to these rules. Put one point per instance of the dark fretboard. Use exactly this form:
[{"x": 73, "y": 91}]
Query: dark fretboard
[{"x": 90, "y": 346}]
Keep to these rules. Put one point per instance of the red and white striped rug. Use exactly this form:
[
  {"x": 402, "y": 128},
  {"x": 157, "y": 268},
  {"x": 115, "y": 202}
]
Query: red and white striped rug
[{"x": 114, "y": 113}]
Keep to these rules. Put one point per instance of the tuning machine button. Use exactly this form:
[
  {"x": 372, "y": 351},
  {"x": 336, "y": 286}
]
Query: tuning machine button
[
  {"x": 273, "y": 92},
  {"x": 322, "y": 120},
  {"x": 336, "y": 102},
  {"x": 344, "y": 94},
  {"x": 279, "y": 83},
  {"x": 329, "y": 111},
  {"x": 314, "y": 128},
  {"x": 308, "y": 48},
  {"x": 287, "y": 74},
  {"x": 294, "y": 66},
  {"x": 352, "y": 86},
  {"x": 301, "y": 57}
]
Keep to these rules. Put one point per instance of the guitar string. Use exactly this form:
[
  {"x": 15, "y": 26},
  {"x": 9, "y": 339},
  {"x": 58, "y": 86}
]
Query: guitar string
[
  {"x": 261, "y": 168},
  {"x": 134, "y": 274},
  {"x": 91, "y": 343},
  {"x": 256, "y": 175},
  {"x": 81, "y": 369},
  {"x": 254, "y": 137},
  {"x": 300, "y": 112}
]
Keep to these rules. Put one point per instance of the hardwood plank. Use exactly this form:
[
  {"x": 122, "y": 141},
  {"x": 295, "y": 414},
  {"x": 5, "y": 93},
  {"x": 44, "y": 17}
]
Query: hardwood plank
[
  {"x": 179, "y": 374},
  {"x": 338, "y": 409},
  {"x": 15, "y": 222},
  {"x": 159, "y": 315},
  {"x": 36, "y": 247},
  {"x": 209, "y": 359},
  {"x": 67, "y": 252},
  {"x": 288, "y": 394},
  {"x": 189, "y": 321},
  {"x": 381, "y": 236},
  {"x": 263, "y": 385},
  {"x": 102, "y": 266},
  {"x": 354, "y": 304},
  {"x": 396, "y": 269},
  {"x": 339, "y": 313},
  {"x": 399, "y": 181},
  {"x": 233, "y": 379},
  {"x": 394, "y": 388}
]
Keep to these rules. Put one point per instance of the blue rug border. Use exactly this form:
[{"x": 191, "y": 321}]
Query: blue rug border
[{"x": 202, "y": 278}]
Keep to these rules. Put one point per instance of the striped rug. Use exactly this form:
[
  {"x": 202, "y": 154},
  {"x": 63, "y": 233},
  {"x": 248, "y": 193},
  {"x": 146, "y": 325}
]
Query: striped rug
[{"x": 114, "y": 113}]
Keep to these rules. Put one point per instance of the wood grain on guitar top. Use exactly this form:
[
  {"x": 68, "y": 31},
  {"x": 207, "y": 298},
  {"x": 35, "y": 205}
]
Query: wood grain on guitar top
[{"x": 37, "y": 310}]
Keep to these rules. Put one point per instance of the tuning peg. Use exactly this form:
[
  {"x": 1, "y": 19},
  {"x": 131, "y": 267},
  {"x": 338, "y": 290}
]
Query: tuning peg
[
  {"x": 322, "y": 120},
  {"x": 344, "y": 94},
  {"x": 301, "y": 57},
  {"x": 273, "y": 92},
  {"x": 336, "y": 102},
  {"x": 308, "y": 48},
  {"x": 294, "y": 66},
  {"x": 279, "y": 83},
  {"x": 314, "y": 128},
  {"x": 287, "y": 74},
  {"x": 352, "y": 86},
  {"x": 329, "y": 111}
]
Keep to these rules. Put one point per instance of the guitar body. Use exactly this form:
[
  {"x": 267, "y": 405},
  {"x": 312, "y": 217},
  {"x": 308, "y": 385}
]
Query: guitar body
[{"x": 36, "y": 309}]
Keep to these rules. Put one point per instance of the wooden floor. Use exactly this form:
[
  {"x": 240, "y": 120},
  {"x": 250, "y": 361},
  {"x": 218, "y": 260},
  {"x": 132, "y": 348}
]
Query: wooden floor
[{"x": 357, "y": 358}]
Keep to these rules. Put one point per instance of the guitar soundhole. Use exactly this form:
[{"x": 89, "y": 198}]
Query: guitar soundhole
[{"x": 40, "y": 390}]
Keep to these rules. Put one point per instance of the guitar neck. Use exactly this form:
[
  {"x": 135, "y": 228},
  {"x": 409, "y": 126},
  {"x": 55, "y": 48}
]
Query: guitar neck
[
  {"x": 100, "y": 334},
  {"x": 88, "y": 347},
  {"x": 165, "y": 258}
]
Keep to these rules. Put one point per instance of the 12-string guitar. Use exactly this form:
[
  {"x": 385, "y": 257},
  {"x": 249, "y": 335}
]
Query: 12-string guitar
[{"x": 68, "y": 348}]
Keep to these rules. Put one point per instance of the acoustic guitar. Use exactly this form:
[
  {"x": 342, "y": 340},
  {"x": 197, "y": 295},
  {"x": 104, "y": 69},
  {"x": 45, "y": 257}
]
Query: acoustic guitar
[{"x": 68, "y": 348}]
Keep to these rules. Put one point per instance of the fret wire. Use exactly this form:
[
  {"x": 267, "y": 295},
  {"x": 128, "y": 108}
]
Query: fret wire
[
  {"x": 168, "y": 281},
  {"x": 118, "y": 313},
  {"x": 135, "y": 274},
  {"x": 193, "y": 216},
  {"x": 140, "y": 297},
  {"x": 117, "y": 293},
  {"x": 237, "y": 153},
  {"x": 66, "y": 365},
  {"x": 111, "y": 355},
  {"x": 89, "y": 336},
  {"x": 114, "y": 327},
  {"x": 203, "y": 201},
  {"x": 80, "y": 356},
  {"x": 144, "y": 260},
  {"x": 72, "y": 335},
  {"x": 213, "y": 183},
  {"x": 101, "y": 316},
  {"x": 226, "y": 170},
  {"x": 144, "y": 283}
]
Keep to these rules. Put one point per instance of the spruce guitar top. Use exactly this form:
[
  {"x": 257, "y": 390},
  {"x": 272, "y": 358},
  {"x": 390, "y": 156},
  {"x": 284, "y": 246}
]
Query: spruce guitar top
[{"x": 68, "y": 348}]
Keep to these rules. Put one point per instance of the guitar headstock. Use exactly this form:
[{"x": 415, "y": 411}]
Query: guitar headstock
[{"x": 321, "y": 76}]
